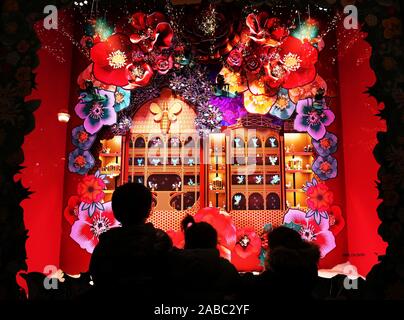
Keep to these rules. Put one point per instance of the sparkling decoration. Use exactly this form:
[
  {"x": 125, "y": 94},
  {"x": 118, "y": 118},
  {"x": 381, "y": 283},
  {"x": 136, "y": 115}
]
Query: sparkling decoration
[
  {"x": 123, "y": 126},
  {"x": 208, "y": 23}
]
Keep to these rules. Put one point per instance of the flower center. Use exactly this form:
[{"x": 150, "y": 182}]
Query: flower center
[
  {"x": 244, "y": 241},
  {"x": 278, "y": 72},
  {"x": 118, "y": 97},
  {"x": 282, "y": 102},
  {"x": 313, "y": 118},
  {"x": 100, "y": 225},
  {"x": 97, "y": 111},
  {"x": 291, "y": 62},
  {"x": 80, "y": 161},
  {"x": 325, "y": 143},
  {"x": 308, "y": 233},
  {"x": 117, "y": 59},
  {"x": 325, "y": 166},
  {"x": 82, "y": 136},
  {"x": 138, "y": 72}
]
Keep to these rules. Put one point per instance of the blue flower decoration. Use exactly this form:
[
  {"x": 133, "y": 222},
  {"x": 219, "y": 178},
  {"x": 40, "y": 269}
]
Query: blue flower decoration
[
  {"x": 80, "y": 161},
  {"x": 325, "y": 167},
  {"x": 82, "y": 139},
  {"x": 283, "y": 107},
  {"x": 122, "y": 99},
  {"x": 327, "y": 145}
]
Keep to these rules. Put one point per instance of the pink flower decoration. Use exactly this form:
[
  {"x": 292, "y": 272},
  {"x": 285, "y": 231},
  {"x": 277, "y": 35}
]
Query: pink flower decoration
[
  {"x": 310, "y": 231},
  {"x": 86, "y": 230}
]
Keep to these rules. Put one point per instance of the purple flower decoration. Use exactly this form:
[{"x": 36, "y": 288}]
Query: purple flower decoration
[
  {"x": 97, "y": 109},
  {"x": 80, "y": 161},
  {"x": 82, "y": 139},
  {"x": 283, "y": 108},
  {"x": 327, "y": 145},
  {"x": 313, "y": 118},
  {"x": 231, "y": 108},
  {"x": 325, "y": 167}
]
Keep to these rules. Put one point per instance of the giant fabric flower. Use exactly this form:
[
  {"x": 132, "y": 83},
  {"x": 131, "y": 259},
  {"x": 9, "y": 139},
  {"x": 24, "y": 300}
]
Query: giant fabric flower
[
  {"x": 224, "y": 226},
  {"x": 82, "y": 139},
  {"x": 258, "y": 103},
  {"x": 308, "y": 90},
  {"x": 312, "y": 119},
  {"x": 86, "y": 230},
  {"x": 232, "y": 108},
  {"x": 327, "y": 145},
  {"x": 97, "y": 110},
  {"x": 80, "y": 161},
  {"x": 87, "y": 76},
  {"x": 111, "y": 58},
  {"x": 337, "y": 221},
  {"x": 264, "y": 30},
  {"x": 71, "y": 212},
  {"x": 319, "y": 200},
  {"x": 283, "y": 107},
  {"x": 325, "y": 167},
  {"x": 122, "y": 99},
  {"x": 90, "y": 190},
  {"x": 139, "y": 75},
  {"x": 151, "y": 31},
  {"x": 310, "y": 230},
  {"x": 245, "y": 255},
  {"x": 177, "y": 237},
  {"x": 293, "y": 63}
]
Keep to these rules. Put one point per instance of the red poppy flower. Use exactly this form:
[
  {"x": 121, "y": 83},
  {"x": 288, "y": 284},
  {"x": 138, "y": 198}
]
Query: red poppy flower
[
  {"x": 337, "y": 221},
  {"x": 87, "y": 75},
  {"x": 264, "y": 30},
  {"x": 111, "y": 58},
  {"x": 139, "y": 75},
  {"x": 223, "y": 224},
  {"x": 151, "y": 31},
  {"x": 162, "y": 64},
  {"x": 297, "y": 60},
  {"x": 245, "y": 255},
  {"x": 319, "y": 198},
  {"x": 72, "y": 210},
  {"x": 90, "y": 189}
]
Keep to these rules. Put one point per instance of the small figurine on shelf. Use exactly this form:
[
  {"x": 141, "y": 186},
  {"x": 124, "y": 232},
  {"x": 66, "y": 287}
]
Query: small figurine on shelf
[
  {"x": 305, "y": 149},
  {"x": 307, "y": 166},
  {"x": 292, "y": 148},
  {"x": 106, "y": 150},
  {"x": 273, "y": 160},
  {"x": 287, "y": 149},
  {"x": 155, "y": 161},
  {"x": 237, "y": 199},
  {"x": 287, "y": 204},
  {"x": 288, "y": 185},
  {"x": 191, "y": 182},
  {"x": 191, "y": 161},
  {"x": 273, "y": 142},
  {"x": 237, "y": 142},
  {"x": 259, "y": 179},
  {"x": 240, "y": 179},
  {"x": 217, "y": 183},
  {"x": 255, "y": 142},
  {"x": 309, "y": 148},
  {"x": 175, "y": 161},
  {"x": 176, "y": 186},
  {"x": 139, "y": 162},
  {"x": 152, "y": 185},
  {"x": 275, "y": 179}
]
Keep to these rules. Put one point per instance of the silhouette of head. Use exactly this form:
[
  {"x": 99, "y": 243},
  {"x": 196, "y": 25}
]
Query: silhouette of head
[
  {"x": 198, "y": 235},
  {"x": 285, "y": 237},
  {"x": 131, "y": 203}
]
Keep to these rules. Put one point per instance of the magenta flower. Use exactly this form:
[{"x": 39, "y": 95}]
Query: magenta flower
[
  {"x": 310, "y": 231},
  {"x": 313, "y": 118},
  {"x": 86, "y": 230},
  {"x": 97, "y": 108}
]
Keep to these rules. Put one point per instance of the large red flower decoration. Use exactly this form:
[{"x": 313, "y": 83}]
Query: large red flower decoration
[
  {"x": 177, "y": 237},
  {"x": 224, "y": 226},
  {"x": 292, "y": 63},
  {"x": 111, "y": 59},
  {"x": 90, "y": 189},
  {"x": 337, "y": 221},
  {"x": 245, "y": 255},
  {"x": 265, "y": 30},
  {"x": 151, "y": 31},
  {"x": 319, "y": 198},
  {"x": 139, "y": 75},
  {"x": 88, "y": 76},
  {"x": 86, "y": 230},
  {"x": 71, "y": 211}
]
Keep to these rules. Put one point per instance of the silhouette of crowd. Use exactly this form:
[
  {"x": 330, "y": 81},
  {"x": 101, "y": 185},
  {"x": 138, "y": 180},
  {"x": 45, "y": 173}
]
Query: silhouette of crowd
[{"x": 138, "y": 261}]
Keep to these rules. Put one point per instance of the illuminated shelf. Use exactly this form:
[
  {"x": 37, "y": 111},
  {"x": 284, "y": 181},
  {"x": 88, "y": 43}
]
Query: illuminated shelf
[
  {"x": 218, "y": 191},
  {"x": 111, "y": 173},
  {"x": 302, "y": 153},
  {"x": 111, "y": 154},
  {"x": 299, "y": 171},
  {"x": 294, "y": 190},
  {"x": 108, "y": 191}
]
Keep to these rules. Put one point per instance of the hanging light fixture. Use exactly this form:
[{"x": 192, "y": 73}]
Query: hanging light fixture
[{"x": 63, "y": 116}]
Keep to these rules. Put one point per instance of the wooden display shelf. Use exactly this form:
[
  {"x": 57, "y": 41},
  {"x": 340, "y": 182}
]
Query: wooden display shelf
[
  {"x": 299, "y": 153},
  {"x": 111, "y": 154},
  {"x": 109, "y": 191},
  {"x": 298, "y": 171},
  {"x": 218, "y": 191},
  {"x": 111, "y": 173},
  {"x": 294, "y": 190}
]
